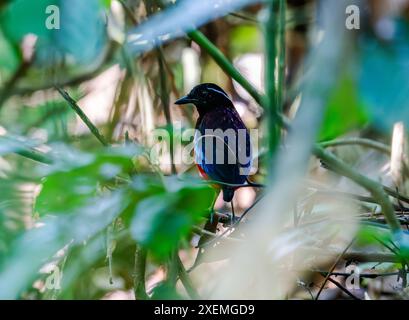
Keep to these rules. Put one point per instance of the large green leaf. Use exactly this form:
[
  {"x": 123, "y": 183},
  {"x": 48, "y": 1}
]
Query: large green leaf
[{"x": 68, "y": 188}]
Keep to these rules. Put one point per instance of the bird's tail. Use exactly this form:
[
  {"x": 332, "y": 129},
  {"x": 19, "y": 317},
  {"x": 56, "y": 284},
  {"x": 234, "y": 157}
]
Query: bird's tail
[{"x": 228, "y": 194}]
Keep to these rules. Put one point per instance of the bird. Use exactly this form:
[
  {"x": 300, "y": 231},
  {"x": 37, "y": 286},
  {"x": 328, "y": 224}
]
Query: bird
[{"x": 222, "y": 146}]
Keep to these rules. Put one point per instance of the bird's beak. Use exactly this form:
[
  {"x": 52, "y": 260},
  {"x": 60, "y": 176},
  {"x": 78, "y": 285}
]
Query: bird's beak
[{"x": 185, "y": 100}]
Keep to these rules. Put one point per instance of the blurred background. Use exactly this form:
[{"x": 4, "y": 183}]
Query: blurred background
[{"x": 94, "y": 205}]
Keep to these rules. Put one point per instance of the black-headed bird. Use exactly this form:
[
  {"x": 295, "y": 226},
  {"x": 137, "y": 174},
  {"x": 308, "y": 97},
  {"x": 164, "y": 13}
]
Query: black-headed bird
[{"x": 223, "y": 151}]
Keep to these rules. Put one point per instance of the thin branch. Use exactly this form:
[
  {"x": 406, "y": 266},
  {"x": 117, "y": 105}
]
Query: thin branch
[
  {"x": 27, "y": 151},
  {"x": 73, "y": 104},
  {"x": 244, "y": 17},
  {"x": 282, "y": 55},
  {"x": 340, "y": 286},
  {"x": 361, "y": 275},
  {"x": 35, "y": 155},
  {"x": 332, "y": 269},
  {"x": 223, "y": 235}
]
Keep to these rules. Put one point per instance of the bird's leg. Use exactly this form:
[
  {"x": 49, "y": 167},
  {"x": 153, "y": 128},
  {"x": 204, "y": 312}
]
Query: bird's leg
[{"x": 233, "y": 216}]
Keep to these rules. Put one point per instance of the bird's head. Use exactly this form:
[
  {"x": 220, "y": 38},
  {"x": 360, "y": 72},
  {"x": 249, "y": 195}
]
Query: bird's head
[{"x": 205, "y": 97}]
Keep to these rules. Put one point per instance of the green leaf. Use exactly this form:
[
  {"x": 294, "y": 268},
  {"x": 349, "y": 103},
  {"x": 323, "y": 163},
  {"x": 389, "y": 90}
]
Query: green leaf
[
  {"x": 162, "y": 220},
  {"x": 344, "y": 112},
  {"x": 69, "y": 188}
]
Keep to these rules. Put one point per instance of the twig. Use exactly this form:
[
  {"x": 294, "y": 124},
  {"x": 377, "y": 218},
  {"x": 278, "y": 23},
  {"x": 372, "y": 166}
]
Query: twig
[
  {"x": 244, "y": 17},
  {"x": 73, "y": 104},
  {"x": 34, "y": 155},
  {"x": 26, "y": 151},
  {"x": 361, "y": 275},
  {"x": 282, "y": 55},
  {"x": 332, "y": 269},
  {"x": 342, "y": 288},
  {"x": 218, "y": 237}
]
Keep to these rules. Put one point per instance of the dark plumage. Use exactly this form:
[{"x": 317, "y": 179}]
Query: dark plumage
[{"x": 216, "y": 157}]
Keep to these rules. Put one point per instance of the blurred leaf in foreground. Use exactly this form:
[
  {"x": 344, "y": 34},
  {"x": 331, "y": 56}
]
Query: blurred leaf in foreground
[
  {"x": 344, "y": 112},
  {"x": 383, "y": 80},
  {"x": 37, "y": 246},
  {"x": 79, "y": 34},
  {"x": 162, "y": 220},
  {"x": 66, "y": 189}
]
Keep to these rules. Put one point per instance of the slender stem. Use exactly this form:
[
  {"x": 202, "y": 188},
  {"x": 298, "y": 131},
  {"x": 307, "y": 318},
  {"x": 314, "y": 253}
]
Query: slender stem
[
  {"x": 372, "y": 186},
  {"x": 342, "y": 288},
  {"x": 281, "y": 55},
  {"x": 332, "y": 269},
  {"x": 26, "y": 151},
  {"x": 34, "y": 155},
  {"x": 139, "y": 273},
  {"x": 272, "y": 33},
  {"x": 361, "y": 275},
  {"x": 73, "y": 104}
]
